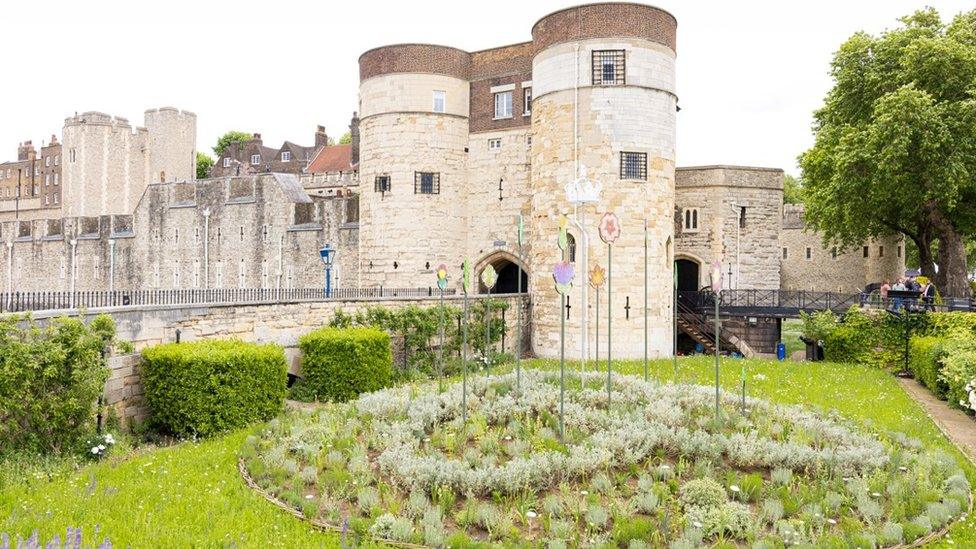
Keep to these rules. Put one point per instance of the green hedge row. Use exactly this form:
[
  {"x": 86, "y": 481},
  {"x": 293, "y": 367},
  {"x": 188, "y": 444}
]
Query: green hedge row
[
  {"x": 340, "y": 363},
  {"x": 201, "y": 388},
  {"x": 946, "y": 365}
]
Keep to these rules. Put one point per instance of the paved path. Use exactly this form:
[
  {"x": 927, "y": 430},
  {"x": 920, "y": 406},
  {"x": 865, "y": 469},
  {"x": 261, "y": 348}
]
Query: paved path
[{"x": 955, "y": 424}]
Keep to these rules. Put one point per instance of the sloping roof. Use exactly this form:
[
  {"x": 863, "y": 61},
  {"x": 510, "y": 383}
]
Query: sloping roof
[
  {"x": 298, "y": 152},
  {"x": 291, "y": 187},
  {"x": 335, "y": 158}
]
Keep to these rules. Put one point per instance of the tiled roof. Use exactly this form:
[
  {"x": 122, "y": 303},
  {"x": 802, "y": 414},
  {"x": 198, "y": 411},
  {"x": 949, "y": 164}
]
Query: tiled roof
[{"x": 335, "y": 158}]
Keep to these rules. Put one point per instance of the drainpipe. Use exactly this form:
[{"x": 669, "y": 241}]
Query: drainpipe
[
  {"x": 10, "y": 272},
  {"x": 111, "y": 270},
  {"x": 738, "y": 224},
  {"x": 281, "y": 255},
  {"x": 206, "y": 248},
  {"x": 74, "y": 269}
]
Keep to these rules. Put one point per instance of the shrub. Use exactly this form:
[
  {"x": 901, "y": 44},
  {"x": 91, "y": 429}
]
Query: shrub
[
  {"x": 702, "y": 492},
  {"x": 340, "y": 363},
  {"x": 958, "y": 362},
  {"x": 924, "y": 362},
  {"x": 50, "y": 380},
  {"x": 205, "y": 387}
]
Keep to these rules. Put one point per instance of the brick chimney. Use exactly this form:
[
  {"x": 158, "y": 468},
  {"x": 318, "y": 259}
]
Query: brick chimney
[
  {"x": 354, "y": 134},
  {"x": 25, "y": 151},
  {"x": 256, "y": 138},
  {"x": 321, "y": 139}
]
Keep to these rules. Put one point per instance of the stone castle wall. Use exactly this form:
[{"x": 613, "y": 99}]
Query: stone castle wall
[
  {"x": 832, "y": 268},
  {"x": 201, "y": 235},
  {"x": 750, "y": 247}
]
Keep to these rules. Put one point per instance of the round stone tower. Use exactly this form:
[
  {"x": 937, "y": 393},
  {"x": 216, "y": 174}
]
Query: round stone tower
[
  {"x": 413, "y": 108},
  {"x": 604, "y": 98}
]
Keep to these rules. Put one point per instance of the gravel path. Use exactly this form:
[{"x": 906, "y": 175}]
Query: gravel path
[{"x": 955, "y": 424}]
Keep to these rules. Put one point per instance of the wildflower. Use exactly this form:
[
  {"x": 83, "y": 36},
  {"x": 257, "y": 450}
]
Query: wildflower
[
  {"x": 696, "y": 524},
  {"x": 734, "y": 488},
  {"x": 530, "y": 514},
  {"x": 831, "y": 522},
  {"x": 94, "y": 450}
]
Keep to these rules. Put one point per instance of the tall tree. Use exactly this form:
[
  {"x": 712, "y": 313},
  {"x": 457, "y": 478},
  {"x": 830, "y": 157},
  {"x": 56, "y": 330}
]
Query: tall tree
[
  {"x": 792, "y": 190},
  {"x": 204, "y": 163},
  {"x": 345, "y": 139},
  {"x": 233, "y": 136},
  {"x": 895, "y": 147}
]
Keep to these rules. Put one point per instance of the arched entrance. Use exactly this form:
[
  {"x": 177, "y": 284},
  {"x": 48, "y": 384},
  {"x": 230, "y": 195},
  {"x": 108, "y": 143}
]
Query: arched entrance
[
  {"x": 507, "y": 267},
  {"x": 689, "y": 273}
]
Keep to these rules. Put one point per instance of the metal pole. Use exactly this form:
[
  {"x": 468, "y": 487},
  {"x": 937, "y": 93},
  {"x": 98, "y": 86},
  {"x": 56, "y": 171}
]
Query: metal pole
[
  {"x": 440, "y": 352},
  {"x": 518, "y": 326},
  {"x": 562, "y": 366},
  {"x": 718, "y": 417},
  {"x": 645, "y": 300},
  {"x": 674, "y": 321},
  {"x": 609, "y": 318},
  {"x": 464, "y": 360},
  {"x": 596, "y": 359},
  {"x": 488, "y": 333},
  {"x": 74, "y": 247},
  {"x": 328, "y": 282}
]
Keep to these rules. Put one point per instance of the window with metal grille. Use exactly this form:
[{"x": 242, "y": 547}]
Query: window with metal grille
[
  {"x": 633, "y": 165},
  {"x": 609, "y": 68},
  {"x": 382, "y": 184},
  {"x": 426, "y": 183}
]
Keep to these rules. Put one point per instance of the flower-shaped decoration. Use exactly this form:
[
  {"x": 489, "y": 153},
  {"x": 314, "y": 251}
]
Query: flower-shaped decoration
[
  {"x": 609, "y": 227},
  {"x": 442, "y": 276},
  {"x": 466, "y": 276},
  {"x": 562, "y": 273},
  {"x": 598, "y": 275},
  {"x": 489, "y": 277},
  {"x": 563, "y": 239}
]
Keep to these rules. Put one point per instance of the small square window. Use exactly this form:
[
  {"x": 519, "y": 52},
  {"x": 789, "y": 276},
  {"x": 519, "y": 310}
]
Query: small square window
[
  {"x": 439, "y": 100},
  {"x": 255, "y": 159},
  {"x": 633, "y": 165},
  {"x": 286, "y": 156},
  {"x": 608, "y": 67},
  {"x": 494, "y": 144},
  {"x": 503, "y": 104},
  {"x": 426, "y": 183},
  {"x": 227, "y": 162},
  {"x": 382, "y": 184}
]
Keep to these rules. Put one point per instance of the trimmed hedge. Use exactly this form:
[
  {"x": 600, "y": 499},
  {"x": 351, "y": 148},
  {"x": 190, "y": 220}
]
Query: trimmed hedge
[
  {"x": 340, "y": 363},
  {"x": 945, "y": 366},
  {"x": 925, "y": 354},
  {"x": 205, "y": 387}
]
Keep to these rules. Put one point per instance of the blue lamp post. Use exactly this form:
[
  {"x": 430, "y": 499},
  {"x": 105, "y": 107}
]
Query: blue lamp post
[{"x": 328, "y": 256}]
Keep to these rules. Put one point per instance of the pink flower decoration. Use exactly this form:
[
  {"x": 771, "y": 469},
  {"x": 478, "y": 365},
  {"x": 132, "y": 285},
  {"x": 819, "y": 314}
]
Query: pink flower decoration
[{"x": 609, "y": 228}]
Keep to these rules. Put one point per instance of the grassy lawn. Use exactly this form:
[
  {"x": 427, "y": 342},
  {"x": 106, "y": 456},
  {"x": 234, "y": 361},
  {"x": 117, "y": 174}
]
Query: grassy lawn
[
  {"x": 191, "y": 494},
  {"x": 792, "y": 328}
]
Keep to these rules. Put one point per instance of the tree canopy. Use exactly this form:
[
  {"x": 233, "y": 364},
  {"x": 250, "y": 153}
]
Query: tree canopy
[
  {"x": 345, "y": 139},
  {"x": 792, "y": 190},
  {"x": 232, "y": 136},
  {"x": 895, "y": 143},
  {"x": 204, "y": 163}
]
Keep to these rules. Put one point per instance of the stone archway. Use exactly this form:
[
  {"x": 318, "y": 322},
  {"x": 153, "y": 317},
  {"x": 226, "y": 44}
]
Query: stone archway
[{"x": 508, "y": 268}]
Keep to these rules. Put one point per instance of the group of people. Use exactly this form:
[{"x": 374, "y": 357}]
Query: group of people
[{"x": 925, "y": 291}]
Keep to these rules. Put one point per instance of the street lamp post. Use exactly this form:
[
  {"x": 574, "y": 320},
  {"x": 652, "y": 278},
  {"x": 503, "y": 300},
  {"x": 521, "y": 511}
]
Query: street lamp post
[{"x": 328, "y": 256}]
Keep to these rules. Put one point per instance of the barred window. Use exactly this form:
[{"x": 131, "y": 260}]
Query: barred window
[
  {"x": 382, "y": 184},
  {"x": 633, "y": 165},
  {"x": 609, "y": 68},
  {"x": 426, "y": 183}
]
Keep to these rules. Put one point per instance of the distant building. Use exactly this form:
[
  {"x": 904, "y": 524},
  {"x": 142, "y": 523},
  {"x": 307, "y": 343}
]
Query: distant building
[
  {"x": 33, "y": 179},
  {"x": 253, "y": 157}
]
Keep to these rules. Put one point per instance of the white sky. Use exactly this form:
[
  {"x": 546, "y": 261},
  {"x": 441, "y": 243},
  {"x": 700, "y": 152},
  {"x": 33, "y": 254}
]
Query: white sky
[{"x": 750, "y": 73}]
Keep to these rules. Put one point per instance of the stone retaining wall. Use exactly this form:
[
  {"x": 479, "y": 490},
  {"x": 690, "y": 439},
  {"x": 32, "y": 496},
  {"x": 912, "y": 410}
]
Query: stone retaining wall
[{"x": 123, "y": 390}]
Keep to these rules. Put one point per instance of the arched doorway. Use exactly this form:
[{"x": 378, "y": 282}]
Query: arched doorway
[
  {"x": 507, "y": 267},
  {"x": 689, "y": 272}
]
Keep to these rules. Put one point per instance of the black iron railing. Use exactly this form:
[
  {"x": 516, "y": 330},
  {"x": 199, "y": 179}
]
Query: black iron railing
[
  {"x": 791, "y": 302},
  {"x": 15, "y": 302}
]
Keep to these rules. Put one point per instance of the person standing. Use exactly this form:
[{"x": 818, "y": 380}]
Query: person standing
[
  {"x": 883, "y": 291},
  {"x": 928, "y": 296}
]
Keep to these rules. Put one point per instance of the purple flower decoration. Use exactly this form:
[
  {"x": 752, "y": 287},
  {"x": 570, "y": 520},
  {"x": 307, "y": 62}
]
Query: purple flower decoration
[{"x": 562, "y": 273}]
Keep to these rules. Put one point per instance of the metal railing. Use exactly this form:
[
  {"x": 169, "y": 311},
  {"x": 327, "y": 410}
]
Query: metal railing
[
  {"x": 791, "y": 302},
  {"x": 16, "y": 302}
]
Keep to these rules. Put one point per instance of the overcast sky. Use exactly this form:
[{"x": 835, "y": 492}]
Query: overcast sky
[{"x": 750, "y": 73}]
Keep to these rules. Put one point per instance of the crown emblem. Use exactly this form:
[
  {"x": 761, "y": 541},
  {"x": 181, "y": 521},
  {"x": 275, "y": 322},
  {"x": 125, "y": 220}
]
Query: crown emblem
[{"x": 582, "y": 190}]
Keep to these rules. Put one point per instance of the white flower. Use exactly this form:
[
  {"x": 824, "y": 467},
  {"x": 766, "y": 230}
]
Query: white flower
[
  {"x": 530, "y": 514},
  {"x": 696, "y": 524},
  {"x": 583, "y": 492},
  {"x": 831, "y": 522},
  {"x": 109, "y": 439},
  {"x": 734, "y": 488},
  {"x": 101, "y": 446},
  {"x": 875, "y": 494},
  {"x": 309, "y": 496},
  {"x": 94, "y": 450}
]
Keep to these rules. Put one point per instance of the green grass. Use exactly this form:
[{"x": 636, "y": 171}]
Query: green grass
[
  {"x": 191, "y": 494},
  {"x": 792, "y": 329}
]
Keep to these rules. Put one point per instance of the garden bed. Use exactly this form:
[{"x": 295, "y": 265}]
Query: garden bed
[{"x": 401, "y": 464}]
